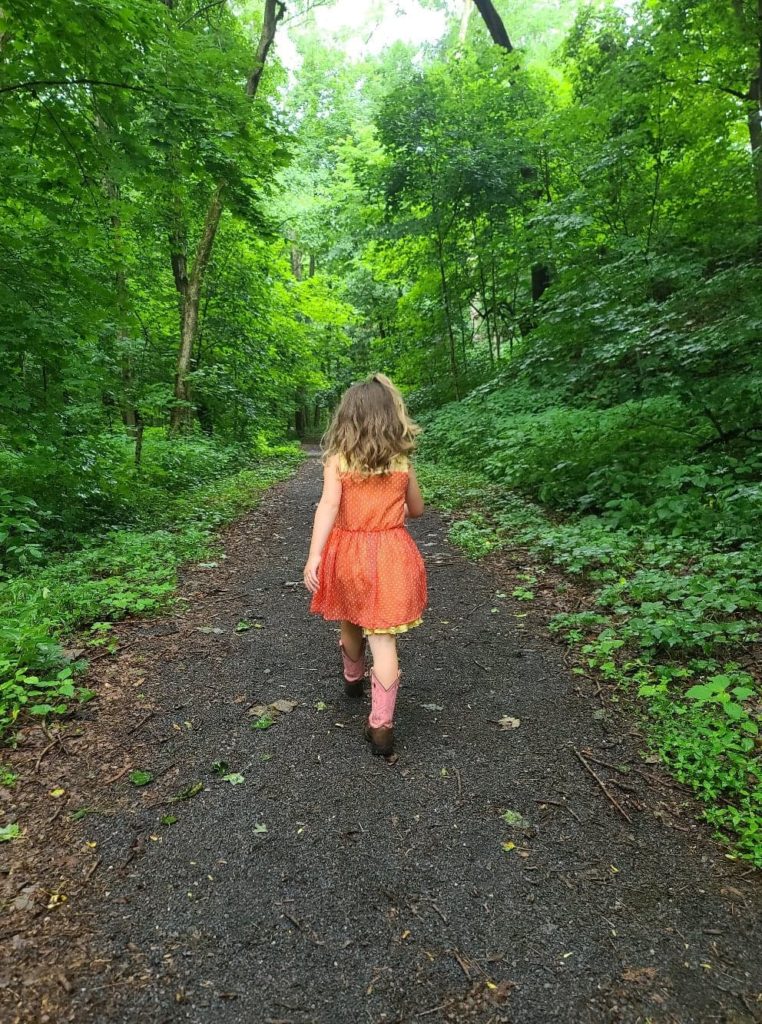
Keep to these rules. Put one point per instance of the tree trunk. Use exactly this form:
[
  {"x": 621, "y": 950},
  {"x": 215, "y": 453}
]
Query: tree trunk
[
  {"x": 190, "y": 287},
  {"x": 494, "y": 24},
  {"x": 468, "y": 6},
  {"x": 754, "y": 123},
  {"x": 448, "y": 315},
  {"x": 274, "y": 11},
  {"x": 190, "y": 297},
  {"x": 138, "y": 439}
]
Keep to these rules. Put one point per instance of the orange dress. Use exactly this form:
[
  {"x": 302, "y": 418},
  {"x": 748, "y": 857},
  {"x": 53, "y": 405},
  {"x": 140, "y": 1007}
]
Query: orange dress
[{"x": 371, "y": 572}]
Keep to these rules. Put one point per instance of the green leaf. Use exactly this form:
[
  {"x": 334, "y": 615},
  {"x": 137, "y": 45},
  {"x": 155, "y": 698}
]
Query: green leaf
[
  {"x": 140, "y": 778},
  {"x": 191, "y": 790}
]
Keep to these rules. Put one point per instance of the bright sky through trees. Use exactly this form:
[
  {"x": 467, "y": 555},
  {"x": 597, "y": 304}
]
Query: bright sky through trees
[{"x": 367, "y": 26}]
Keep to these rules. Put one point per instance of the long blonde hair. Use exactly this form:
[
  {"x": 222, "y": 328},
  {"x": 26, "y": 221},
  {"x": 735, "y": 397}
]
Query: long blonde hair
[{"x": 371, "y": 426}]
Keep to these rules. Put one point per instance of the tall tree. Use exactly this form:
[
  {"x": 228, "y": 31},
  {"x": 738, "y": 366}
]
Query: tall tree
[{"x": 190, "y": 282}]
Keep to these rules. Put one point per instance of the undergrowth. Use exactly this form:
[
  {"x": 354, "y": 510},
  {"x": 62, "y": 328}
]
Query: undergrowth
[
  {"x": 666, "y": 538},
  {"x": 117, "y": 571}
]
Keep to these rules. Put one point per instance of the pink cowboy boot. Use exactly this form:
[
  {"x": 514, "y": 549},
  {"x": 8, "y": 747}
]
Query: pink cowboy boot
[
  {"x": 379, "y": 730},
  {"x": 354, "y": 671}
]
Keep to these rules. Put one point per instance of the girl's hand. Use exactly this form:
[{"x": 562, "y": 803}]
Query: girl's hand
[{"x": 311, "y": 573}]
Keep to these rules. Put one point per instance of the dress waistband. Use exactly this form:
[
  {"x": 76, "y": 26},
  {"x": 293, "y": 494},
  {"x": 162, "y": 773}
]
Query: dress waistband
[{"x": 382, "y": 529}]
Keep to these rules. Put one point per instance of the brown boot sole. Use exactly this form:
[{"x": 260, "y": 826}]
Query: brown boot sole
[
  {"x": 381, "y": 741},
  {"x": 354, "y": 690}
]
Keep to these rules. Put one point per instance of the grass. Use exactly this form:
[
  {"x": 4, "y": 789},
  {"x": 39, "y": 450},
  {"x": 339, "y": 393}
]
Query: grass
[
  {"x": 123, "y": 571},
  {"x": 668, "y": 616}
]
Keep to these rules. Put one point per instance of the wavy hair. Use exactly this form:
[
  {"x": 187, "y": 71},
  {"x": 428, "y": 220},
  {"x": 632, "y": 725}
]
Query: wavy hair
[{"x": 371, "y": 426}]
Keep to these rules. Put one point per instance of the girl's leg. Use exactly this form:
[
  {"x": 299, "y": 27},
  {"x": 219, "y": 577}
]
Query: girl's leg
[
  {"x": 384, "y": 685},
  {"x": 351, "y": 640},
  {"x": 386, "y": 667}
]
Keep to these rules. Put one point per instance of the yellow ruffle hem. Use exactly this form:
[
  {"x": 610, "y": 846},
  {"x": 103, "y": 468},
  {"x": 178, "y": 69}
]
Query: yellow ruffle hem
[{"x": 393, "y": 629}]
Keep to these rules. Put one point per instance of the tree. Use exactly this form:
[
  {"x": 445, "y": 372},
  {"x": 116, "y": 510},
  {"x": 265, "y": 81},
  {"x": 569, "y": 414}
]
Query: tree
[{"x": 189, "y": 282}]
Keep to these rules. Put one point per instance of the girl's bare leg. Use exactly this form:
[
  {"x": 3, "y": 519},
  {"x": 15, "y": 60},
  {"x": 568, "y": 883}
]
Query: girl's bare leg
[
  {"x": 351, "y": 638},
  {"x": 385, "y": 662}
]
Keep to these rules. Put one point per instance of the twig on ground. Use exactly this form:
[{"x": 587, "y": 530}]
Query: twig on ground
[
  {"x": 441, "y": 914},
  {"x": 559, "y": 803},
  {"x": 57, "y": 813},
  {"x": 615, "y": 803},
  {"x": 461, "y": 963},
  {"x": 434, "y": 1009},
  {"x": 42, "y": 754},
  {"x": 680, "y": 787},
  {"x": 119, "y": 774},
  {"x": 92, "y": 869},
  {"x": 140, "y": 724}
]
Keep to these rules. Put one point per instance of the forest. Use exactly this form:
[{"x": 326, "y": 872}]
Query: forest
[{"x": 545, "y": 226}]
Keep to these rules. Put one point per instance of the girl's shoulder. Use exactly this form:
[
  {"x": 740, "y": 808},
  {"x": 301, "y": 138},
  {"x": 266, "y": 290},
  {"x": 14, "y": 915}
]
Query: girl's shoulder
[{"x": 399, "y": 464}]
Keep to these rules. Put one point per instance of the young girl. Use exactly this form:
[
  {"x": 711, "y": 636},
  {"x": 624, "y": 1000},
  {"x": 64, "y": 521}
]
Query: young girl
[{"x": 364, "y": 567}]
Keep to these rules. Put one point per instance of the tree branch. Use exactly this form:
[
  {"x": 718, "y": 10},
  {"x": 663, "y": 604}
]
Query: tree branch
[
  {"x": 70, "y": 81},
  {"x": 274, "y": 11},
  {"x": 202, "y": 10}
]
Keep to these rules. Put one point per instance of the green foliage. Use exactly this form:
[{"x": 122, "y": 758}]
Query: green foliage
[
  {"x": 119, "y": 573},
  {"x": 675, "y": 581},
  {"x": 8, "y": 832},
  {"x": 140, "y": 777}
]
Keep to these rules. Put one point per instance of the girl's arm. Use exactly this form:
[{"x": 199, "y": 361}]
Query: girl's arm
[
  {"x": 325, "y": 516},
  {"x": 413, "y": 497}
]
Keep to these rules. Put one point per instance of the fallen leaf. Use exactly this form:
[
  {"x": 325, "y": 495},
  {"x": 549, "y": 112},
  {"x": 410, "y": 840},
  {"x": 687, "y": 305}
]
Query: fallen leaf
[
  {"x": 260, "y": 828},
  {"x": 82, "y": 813},
  {"x": 321, "y": 706},
  {"x": 57, "y": 792},
  {"x": 509, "y": 846},
  {"x": 24, "y": 900},
  {"x": 514, "y": 819},
  {"x": 284, "y": 706},
  {"x": 433, "y": 707},
  {"x": 191, "y": 790},
  {"x": 140, "y": 778},
  {"x": 639, "y": 974},
  {"x": 56, "y": 899},
  {"x": 506, "y": 723},
  {"x": 258, "y": 710},
  {"x": 234, "y": 778},
  {"x": 242, "y": 626},
  {"x": 168, "y": 819},
  {"x": 263, "y": 722},
  {"x": 220, "y": 767}
]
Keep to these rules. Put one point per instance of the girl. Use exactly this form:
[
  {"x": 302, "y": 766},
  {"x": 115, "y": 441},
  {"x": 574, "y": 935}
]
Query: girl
[{"x": 363, "y": 567}]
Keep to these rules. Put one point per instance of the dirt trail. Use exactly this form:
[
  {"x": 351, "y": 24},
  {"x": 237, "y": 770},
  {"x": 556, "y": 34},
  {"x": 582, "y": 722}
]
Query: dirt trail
[{"x": 332, "y": 887}]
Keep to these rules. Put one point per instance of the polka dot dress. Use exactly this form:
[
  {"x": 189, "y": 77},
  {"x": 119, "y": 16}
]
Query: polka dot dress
[{"x": 371, "y": 572}]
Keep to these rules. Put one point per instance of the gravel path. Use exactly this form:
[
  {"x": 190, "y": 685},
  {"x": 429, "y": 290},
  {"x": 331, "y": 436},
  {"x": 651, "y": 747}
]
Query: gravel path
[{"x": 332, "y": 887}]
